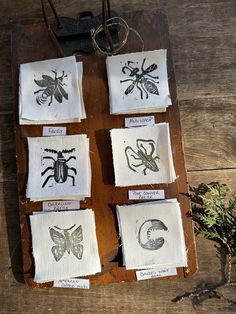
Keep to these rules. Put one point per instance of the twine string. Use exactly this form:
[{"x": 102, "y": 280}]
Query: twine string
[{"x": 114, "y": 21}]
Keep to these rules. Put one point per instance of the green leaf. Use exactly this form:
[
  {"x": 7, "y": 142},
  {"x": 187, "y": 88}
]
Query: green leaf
[{"x": 215, "y": 220}]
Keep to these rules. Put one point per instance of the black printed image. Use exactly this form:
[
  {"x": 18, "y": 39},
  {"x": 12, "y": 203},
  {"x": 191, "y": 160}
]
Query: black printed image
[
  {"x": 141, "y": 78},
  {"x": 142, "y": 156},
  {"x": 59, "y": 170},
  {"x": 66, "y": 241},
  {"x": 51, "y": 88},
  {"x": 149, "y": 235}
]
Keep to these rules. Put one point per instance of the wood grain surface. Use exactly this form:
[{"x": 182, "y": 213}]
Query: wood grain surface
[
  {"x": 203, "y": 46},
  {"x": 153, "y": 28}
]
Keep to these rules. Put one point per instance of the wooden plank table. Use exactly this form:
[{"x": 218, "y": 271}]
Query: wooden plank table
[
  {"x": 26, "y": 42},
  {"x": 203, "y": 44}
]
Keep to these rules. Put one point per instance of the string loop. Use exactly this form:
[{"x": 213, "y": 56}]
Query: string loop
[{"x": 112, "y": 22}]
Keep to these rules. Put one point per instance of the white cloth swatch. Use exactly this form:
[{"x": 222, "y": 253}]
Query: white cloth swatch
[
  {"x": 138, "y": 82},
  {"x": 142, "y": 155},
  {"x": 59, "y": 168},
  {"x": 80, "y": 78},
  {"x": 64, "y": 245},
  {"x": 50, "y": 91},
  {"x": 152, "y": 235}
]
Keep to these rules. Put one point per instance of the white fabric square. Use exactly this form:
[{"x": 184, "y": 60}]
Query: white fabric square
[
  {"x": 152, "y": 235},
  {"x": 138, "y": 82},
  {"x": 80, "y": 78},
  {"x": 142, "y": 155},
  {"x": 50, "y": 91},
  {"x": 64, "y": 245},
  {"x": 59, "y": 168}
]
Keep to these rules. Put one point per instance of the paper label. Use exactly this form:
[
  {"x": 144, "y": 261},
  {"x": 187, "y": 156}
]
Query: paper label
[
  {"x": 54, "y": 131},
  {"x": 146, "y": 194},
  {"x": 155, "y": 273},
  {"x": 60, "y": 205},
  {"x": 72, "y": 283},
  {"x": 139, "y": 121}
]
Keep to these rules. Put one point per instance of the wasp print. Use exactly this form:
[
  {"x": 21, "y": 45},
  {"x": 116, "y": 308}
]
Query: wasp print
[
  {"x": 66, "y": 242},
  {"x": 141, "y": 78},
  {"x": 51, "y": 88}
]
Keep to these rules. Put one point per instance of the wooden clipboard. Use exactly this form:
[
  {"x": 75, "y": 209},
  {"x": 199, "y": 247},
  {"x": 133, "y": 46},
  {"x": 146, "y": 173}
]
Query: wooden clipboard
[{"x": 32, "y": 43}]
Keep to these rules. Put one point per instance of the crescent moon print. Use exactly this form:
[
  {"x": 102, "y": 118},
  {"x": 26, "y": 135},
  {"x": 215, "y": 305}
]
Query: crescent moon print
[{"x": 149, "y": 236}]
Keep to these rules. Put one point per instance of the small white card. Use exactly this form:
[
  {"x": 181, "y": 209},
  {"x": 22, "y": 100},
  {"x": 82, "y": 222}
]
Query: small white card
[
  {"x": 139, "y": 121},
  {"x": 155, "y": 273},
  {"x": 146, "y": 194},
  {"x": 60, "y": 205},
  {"x": 54, "y": 131},
  {"x": 72, "y": 283}
]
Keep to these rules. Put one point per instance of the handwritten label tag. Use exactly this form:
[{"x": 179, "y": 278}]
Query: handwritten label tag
[
  {"x": 72, "y": 283},
  {"x": 146, "y": 194},
  {"x": 139, "y": 121},
  {"x": 155, "y": 273},
  {"x": 54, "y": 131},
  {"x": 60, "y": 205}
]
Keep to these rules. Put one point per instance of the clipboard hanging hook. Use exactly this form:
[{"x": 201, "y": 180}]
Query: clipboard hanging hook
[{"x": 71, "y": 35}]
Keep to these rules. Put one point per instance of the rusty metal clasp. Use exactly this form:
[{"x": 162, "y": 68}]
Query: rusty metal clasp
[{"x": 71, "y": 35}]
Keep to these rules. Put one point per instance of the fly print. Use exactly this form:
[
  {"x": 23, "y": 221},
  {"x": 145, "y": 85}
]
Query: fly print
[{"x": 51, "y": 87}]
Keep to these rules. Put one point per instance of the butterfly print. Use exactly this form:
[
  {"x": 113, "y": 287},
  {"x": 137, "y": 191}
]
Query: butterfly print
[{"x": 66, "y": 242}]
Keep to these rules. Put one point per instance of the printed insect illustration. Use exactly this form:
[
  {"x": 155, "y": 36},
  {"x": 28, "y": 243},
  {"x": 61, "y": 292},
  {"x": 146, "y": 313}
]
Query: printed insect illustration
[
  {"x": 143, "y": 80},
  {"x": 51, "y": 87},
  {"x": 66, "y": 242},
  {"x": 60, "y": 169},
  {"x": 150, "y": 234},
  {"x": 142, "y": 157}
]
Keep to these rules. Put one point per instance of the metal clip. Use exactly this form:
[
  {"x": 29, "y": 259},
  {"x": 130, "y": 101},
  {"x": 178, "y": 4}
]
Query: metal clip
[{"x": 71, "y": 35}]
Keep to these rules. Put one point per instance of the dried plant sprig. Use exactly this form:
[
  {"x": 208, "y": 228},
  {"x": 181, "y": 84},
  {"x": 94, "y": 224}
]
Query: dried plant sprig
[{"x": 215, "y": 220}]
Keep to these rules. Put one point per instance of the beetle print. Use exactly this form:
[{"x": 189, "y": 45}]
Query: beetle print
[
  {"x": 142, "y": 157},
  {"x": 141, "y": 78},
  {"x": 60, "y": 169},
  {"x": 150, "y": 235},
  {"x": 51, "y": 87},
  {"x": 66, "y": 242}
]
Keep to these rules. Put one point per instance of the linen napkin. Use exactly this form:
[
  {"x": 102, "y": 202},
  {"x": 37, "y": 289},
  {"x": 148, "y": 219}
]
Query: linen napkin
[
  {"x": 152, "y": 235},
  {"x": 142, "y": 155},
  {"x": 59, "y": 168},
  {"x": 50, "y": 91},
  {"x": 64, "y": 245},
  {"x": 138, "y": 82}
]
